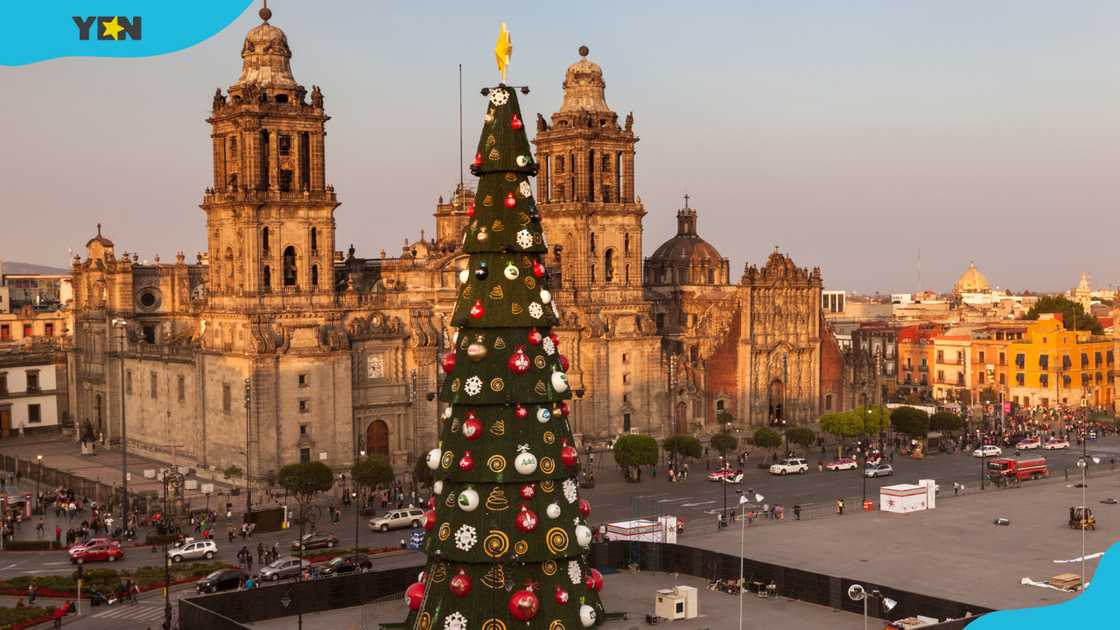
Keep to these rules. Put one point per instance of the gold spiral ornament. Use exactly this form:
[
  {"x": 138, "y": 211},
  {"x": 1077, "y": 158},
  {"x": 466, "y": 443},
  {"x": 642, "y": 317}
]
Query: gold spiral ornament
[
  {"x": 556, "y": 625},
  {"x": 539, "y": 361},
  {"x": 520, "y": 547},
  {"x": 439, "y": 573},
  {"x": 494, "y": 155},
  {"x": 530, "y": 282},
  {"x": 547, "y": 465},
  {"x": 444, "y": 532},
  {"x": 495, "y": 578},
  {"x": 498, "y": 226},
  {"x": 496, "y": 463},
  {"x": 496, "y": 543},
  {"x": 556, "y": 540},
  {"x": 523, "y": 219},
  {"x": 497, "y": 384},
  {"x": 548, "y": 486},
  {"x": 497, "y": 293},
  {"x": 468, "y": 291},
  {"x": 494, "y": 624},
  {"x": 455, "y": 385},
  {"x": 548, "y": 437},
  {"x": 491, "y": 141},
  {"x": 498, "y": 429},
  {"x": 499, "y": 343},
  {"x": 511, "y": 177},
  {"x": 424, "y": 621},
  {"x": 516, "y": 309},
  {"x": 447, "y": 457},
  {"x": 548, "y": 567},
  {"x": 488, "y": 200},
  {"x": 497, "y": 501}
]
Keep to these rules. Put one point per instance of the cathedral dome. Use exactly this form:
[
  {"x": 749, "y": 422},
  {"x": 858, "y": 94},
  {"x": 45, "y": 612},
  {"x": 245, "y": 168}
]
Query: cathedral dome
[
  {"x": 686, "y": 258},
  {"x": 266, "y": 57},
  {"x": 584, "y": 86},
  {"x": 971, "y": 281}
]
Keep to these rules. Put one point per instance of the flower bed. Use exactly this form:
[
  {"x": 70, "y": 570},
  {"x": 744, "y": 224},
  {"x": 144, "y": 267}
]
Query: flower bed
[
  {"x": 17, "y": 618},
  {"x": 106, "y": 580}
]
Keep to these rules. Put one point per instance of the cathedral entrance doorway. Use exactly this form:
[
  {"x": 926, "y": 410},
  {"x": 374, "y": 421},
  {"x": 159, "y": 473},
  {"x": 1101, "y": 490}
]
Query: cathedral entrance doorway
[
  {"x": 776, "y": 394},
  {"x": 680, "y": 425},
  {"x": 377, "y": 438}
]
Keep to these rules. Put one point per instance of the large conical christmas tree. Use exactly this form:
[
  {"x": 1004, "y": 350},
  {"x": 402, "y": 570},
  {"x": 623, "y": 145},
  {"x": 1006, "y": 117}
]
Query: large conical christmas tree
[{"x": 507, "y": 536}]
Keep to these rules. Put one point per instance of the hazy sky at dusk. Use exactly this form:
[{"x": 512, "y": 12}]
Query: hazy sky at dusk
[{"x": 848, "y": 133}]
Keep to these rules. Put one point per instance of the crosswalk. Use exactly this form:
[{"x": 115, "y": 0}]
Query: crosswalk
[{"x": 133, "y": 612}]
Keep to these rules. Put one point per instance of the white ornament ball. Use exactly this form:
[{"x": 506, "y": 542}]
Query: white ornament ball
[
  {"x": 433, "y": 458},
  {"x": 522, "y": 160},
  {"x": 525, "y": 463},
  {"x": 546, "y": 296},
  {"x": 447, "y": 413},
  {"x": 511, "y": 271},
  {"x": 464, "y": 275},
  {"x": 559, "y": 381},
  {"x": 543, "y": 415},
  {"x": 583, "y": 535},
  {"x": 437, "y": 487},
  {"x": 586, "y": 615},
  {"x": 468, "y": 500},
  {"x": 553, "y": 510}
]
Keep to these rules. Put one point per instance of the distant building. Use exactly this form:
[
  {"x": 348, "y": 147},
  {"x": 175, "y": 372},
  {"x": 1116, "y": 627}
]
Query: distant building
[
  {"x": 32, "y": 389},
  {"x": 833, "y": 300},
  {"x": 1054, "y": 366}
]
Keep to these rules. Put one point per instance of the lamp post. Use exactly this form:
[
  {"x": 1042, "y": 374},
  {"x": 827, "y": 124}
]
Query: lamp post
[
  {"x": 856, "y": 593},
  {"x": 357, "y": 510},
  {"x": 121, "y": 325},
  {"x": 248, "y": 483},
  {"x": 723, "y": 480},
  {"x": 172, "y": 480},
  {"x": 38, "y": 475}
]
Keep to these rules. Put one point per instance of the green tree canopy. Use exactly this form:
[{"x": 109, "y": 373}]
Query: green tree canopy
[
  {"x": 1073, "y": 314},
  {"x": 945, "y": 421},
  {"x": 372, "y": 470},
  {"x": 873, "y": 418},
  {"x": 421, "y": 474},
  {"x": 765, "y": 437},
  {"x": 635, "y": 450},
  {"x": 911, "y": 421},
  {"x": 306, "y": 480},
  {"x": 842, "y": 424},
  {"x": 724, "y": 442},
  {"x": 685, "y": 445},
  {"x": 801, "y": 436}
]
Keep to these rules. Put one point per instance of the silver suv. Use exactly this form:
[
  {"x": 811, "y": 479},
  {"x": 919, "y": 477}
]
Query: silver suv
[
  {"x": 397, "y": 519},
  {"x": 283, "y": 568},
  {"x": 193, "y": 550}
]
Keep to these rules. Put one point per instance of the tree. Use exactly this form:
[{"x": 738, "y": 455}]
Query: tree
[
  {"x": 911, "y": 421},
  {"x": 768, "y": 438},
  {"x": 632, "y": 451},
  {"x": 372, "y": 471},
  {"x": 1073, "y": 313},
  {"x": 306, "y": 481},
  {"x": 874, "y": 418},
  {"x": 724, "y": 442},
  {"x": 945, "y": 421},
  {"x": 506, "y": 471},
  {"x": 232, "y": 472},
  {"x": 801, "y": 436},
  {"x": 844, "y": 424},
  {"x": 682, "y": 445},
  {"x": 421, "y": 474}
]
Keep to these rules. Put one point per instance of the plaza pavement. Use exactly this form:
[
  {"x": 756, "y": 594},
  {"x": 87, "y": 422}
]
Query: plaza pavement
[
  {"x": 629, "y": 593},
  {"x": 954, "y": 551}
]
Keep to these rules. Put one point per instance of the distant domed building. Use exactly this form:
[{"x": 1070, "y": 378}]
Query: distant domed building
[
  {"x": 686, "y": 258},
  {"x": 971, "y": 281}
]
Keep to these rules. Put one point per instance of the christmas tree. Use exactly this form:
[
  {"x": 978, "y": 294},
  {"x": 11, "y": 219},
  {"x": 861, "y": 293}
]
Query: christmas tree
[{"x": 507, "y": 536}]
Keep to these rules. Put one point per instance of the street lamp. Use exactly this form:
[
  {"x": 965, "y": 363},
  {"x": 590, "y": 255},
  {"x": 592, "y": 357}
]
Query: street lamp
[
  {"x": 357, "y": 510},
  {"x": 121, "y": 325},
  {"x": 248, "y": 483},
  {"x": 723, "y": 480},
  {"x": 857, "y": 593},
  {"x": 1083, "y": 464},
  {"x": 38, "y": 475}
]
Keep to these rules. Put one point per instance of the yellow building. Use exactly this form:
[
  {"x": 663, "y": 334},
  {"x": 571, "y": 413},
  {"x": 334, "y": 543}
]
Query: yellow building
[{"x": 1052, "y": 365}]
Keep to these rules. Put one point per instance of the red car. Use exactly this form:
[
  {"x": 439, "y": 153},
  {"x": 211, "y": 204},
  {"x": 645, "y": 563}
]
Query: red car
[
  {"x": 92, "y": 542},
  {"x": 110, "y": 552}
]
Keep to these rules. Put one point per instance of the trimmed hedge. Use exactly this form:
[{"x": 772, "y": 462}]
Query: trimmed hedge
[
  {"x": 30, "y": 545},
  {"x": 13, "y": 616},
  {"x": 105, "y": 579}
]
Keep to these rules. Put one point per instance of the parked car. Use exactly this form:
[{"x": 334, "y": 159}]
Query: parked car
[
  {"x": 844, "y": 463},
  {"x": 89, "y": 542},
  {"x": 736, "y": 476},
  {"x": 95, "y": 553},
  {"x": 415, "y": 540},
  {"x": 1029, "y": 443},
  {"x": 1055, "y": 443},
  {"x": 193, "y": 550},
  {"x": 345, "y": 564},
  {"x": 316, "y": 541},
  {"x": 879, "y": 470},
  {"x": 398, "y": 519},
  {"x": 221, "y": 580},
  {"x": 988, "y": 450},
  {"x": 283, "y": 568},
  {"x": 718, "y": 475},
  {"x": 789, "y": 466}
]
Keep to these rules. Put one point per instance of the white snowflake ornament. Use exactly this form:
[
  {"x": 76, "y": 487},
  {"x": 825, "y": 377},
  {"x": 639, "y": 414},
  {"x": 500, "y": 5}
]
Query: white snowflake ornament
[
  {"x": 499, "y": 97},
  {"x": 574, "y": 573},
  {"x": 455, "y": 621},
  {"x": 524, "y": 239},
  {"x": 473, "y": 386},
  {"x": 525, "y": 189},
  {"x": 536, "y": 311},
  {"x": 549, "y": 346},
  {"x": 570, "y": 492},
  {"x": 466, "y": 537}
]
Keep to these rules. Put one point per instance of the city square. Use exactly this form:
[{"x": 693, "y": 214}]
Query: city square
[{"x": 560, "y": 406}]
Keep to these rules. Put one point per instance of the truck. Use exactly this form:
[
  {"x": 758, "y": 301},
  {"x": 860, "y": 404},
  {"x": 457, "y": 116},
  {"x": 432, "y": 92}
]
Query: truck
[{"x": 1006, "y": 468}]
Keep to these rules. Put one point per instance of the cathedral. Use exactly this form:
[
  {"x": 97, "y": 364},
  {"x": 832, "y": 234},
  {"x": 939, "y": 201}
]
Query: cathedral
[{"x": 274, "y": 346}]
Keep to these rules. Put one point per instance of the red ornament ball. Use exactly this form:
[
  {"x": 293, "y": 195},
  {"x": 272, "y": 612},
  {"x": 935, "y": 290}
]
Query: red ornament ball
[
  {"x": 594, "y": 580},
  {"x": 518, "y": 362},
  {"x": 528, "y": 491},
  {"x": 414, "y": 595},
  {"x": 568, "y": 455},
  {"x": 466, "y": 463},
  {"x": 520, "y": 412},
  {"x": 448, "y": 362},
  {"x": 563, "y": 362},
  {"x": 460, "y": 585},
  {"x": 523, "y": 605},
  {"x": 555, "y": 339},
  {"x": 526, "y": 520},
  {"x": 477, "y": 160},
  {"x": 430, "y": 520},
  {"x": 565, "y": 409},
  {"x": 535, "y": 337},
  {"x": 470, "y": 209},
  {"x": 511, "y": 201},
  {"x": 584, "y": 508},
  {"x": 477, "y": 311},
  {"x": 472, "y": 429},
  {"x": 432, "y": 502},
  {"x": 538, "y": 268},
  {"x": 515, "y": 122},
  {"x": 561, "y": 596}
]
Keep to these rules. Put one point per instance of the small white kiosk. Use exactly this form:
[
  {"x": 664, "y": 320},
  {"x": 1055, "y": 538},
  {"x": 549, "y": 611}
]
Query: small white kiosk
[{"x": 904, "y": 498}]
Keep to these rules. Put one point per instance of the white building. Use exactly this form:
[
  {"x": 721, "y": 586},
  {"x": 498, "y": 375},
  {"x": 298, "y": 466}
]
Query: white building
[{"x": 29, "y": 391}]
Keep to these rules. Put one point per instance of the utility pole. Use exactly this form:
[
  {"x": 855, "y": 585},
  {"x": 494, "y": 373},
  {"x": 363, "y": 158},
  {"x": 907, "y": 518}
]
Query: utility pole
[
  {"x": 120, "y": 325},
  {"x": 248, "y": 482}
]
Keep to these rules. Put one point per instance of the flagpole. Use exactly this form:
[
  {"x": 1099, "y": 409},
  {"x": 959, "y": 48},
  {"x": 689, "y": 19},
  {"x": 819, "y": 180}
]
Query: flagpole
[{"x": 742, "y": 539}]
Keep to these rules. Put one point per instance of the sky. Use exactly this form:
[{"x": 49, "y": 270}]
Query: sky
[{"x": 850, "y": 134}]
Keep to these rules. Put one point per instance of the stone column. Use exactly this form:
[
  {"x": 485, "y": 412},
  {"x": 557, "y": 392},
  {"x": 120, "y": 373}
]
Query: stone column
[
  {"x": 219, "y": 162},
  {"x": 273, "y": 161},
  {"x": 318, "y": 167}
]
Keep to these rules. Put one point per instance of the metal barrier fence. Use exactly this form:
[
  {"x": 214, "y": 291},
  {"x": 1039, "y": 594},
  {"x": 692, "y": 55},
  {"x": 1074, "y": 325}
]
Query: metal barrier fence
[{"x": 192, "y": 615}]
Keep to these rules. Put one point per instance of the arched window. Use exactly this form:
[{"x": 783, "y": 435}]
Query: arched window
[
  {"x": 593, "y": 273},
  {"x": 608, "y": 266},
  {"x": 229, "y": 263},
  {"x": 289, "y": 266},
  {"x": 711, "y": 276},
  {"x": 314, "y": 275},
  {"x": 627, "y": 278},
  {"x": 314, "y": 240},
  {"x": 266, "y": 278},
  {"x": 264, "y": 240},
  {"x": 626, "y": 244},
  {"x": 592, "y": 243}
]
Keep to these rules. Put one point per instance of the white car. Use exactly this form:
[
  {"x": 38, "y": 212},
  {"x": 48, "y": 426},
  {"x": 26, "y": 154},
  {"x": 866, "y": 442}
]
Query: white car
[
  {"x": 1029, "y": 443},
  {"x": 790, "y": 466},
  {"x": 192, "y": 550},
  {"x": 988, "y": 450},
  {"x": 1051, "y": 445},
  {"x": 398, "y": 519}
]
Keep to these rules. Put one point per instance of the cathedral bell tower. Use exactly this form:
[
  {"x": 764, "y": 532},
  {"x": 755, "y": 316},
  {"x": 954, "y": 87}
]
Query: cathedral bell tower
[
  {"x": 269, "y": 214},
  {"x": 586, "y": 189}
]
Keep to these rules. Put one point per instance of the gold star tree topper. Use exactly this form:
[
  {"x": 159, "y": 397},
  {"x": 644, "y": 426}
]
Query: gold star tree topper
[{"x": 503, "y": 49}]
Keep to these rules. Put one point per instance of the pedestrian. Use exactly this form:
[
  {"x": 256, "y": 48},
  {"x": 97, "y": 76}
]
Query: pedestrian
[
  {"x": 797, "y": 511},
  {"x": 260, "y": 553},
  {"x": 57, "y": 535},
  {"x": 840, "y": 506},
  {"x": 59, "y": 613},
  {"x": 32, "y": 593},
  {"x": 685, "y": 470},
  {"x": 229, "y": 532}
]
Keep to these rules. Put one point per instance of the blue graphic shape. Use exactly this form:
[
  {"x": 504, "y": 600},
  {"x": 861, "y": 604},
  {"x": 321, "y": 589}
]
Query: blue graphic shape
[
  {"x": 1092, "y": 608},
  {"x": 41, "y": 30}
]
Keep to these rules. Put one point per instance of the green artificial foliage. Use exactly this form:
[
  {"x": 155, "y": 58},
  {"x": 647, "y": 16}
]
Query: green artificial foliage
[
  {"x": 911, "y": 421},
  {"x": 724, "y": 442},
  {"x": 505, "y": 471},
  {"x": 682, "y": 445},
  {"x": 766, "y": 438}
]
